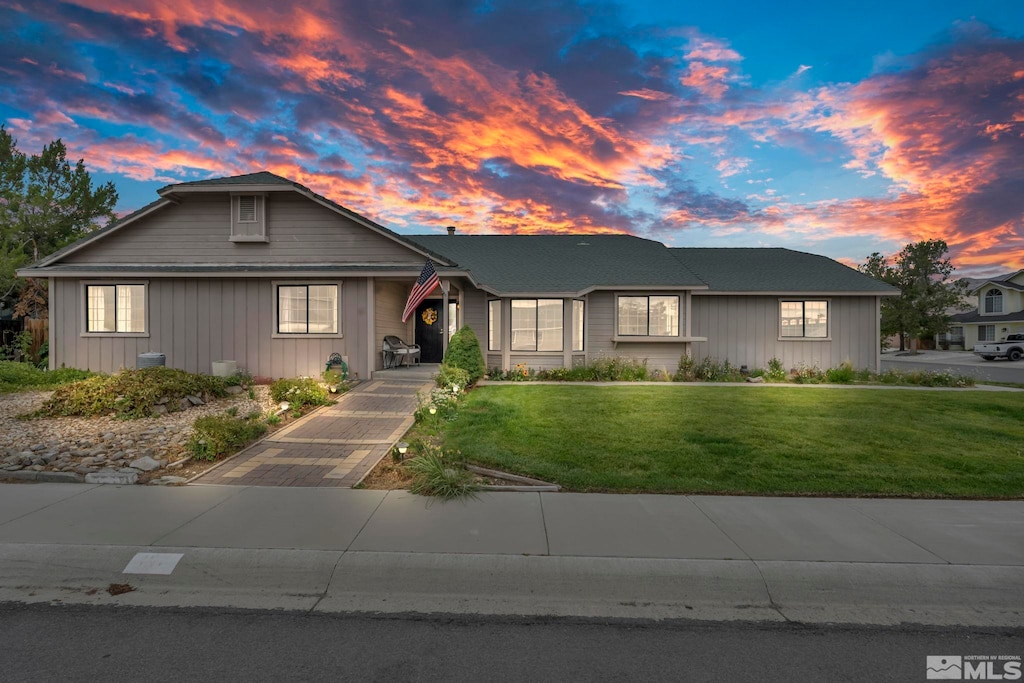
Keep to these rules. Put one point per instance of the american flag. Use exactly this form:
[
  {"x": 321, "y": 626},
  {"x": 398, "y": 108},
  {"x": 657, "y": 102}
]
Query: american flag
[{"x": 426, "y": 283}]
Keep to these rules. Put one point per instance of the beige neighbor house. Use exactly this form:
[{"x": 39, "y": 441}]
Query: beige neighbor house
[
  {"x": 261, "y": 270},
  {"x": 1000, "y": 311}
]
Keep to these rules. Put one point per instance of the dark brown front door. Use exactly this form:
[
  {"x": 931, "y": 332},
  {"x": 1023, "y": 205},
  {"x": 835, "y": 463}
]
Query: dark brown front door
[{"x": 429, "y": 334}]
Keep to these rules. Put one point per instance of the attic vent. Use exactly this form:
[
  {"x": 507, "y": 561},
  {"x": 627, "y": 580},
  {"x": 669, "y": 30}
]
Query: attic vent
[{"x": 247, "y": 208}]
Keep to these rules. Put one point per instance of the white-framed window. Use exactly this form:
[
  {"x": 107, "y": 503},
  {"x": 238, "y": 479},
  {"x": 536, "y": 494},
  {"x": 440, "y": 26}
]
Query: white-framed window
[
  {"x": 648, "y": 316},
  {"x": 115, "y": 308},
  {"x": 494, "y": 325},
  {"x": 536, "y": 325},
  {"x": 453, "y": 318},
  {"x": 578, "y": 318},
  {"x": 248, "y": 218},
  {"x": 803, "y": 319},
  {"x": 994, "y": 301},
  {"x": 986, "y": 333},
  {"x": 307, "y": 309}
]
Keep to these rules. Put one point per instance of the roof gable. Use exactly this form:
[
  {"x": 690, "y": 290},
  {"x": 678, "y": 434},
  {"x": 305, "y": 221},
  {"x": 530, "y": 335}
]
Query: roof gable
[{"x": 262, "y": 181}]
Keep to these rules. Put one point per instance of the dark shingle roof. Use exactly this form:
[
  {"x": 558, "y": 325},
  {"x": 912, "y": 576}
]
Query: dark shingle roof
[
  {"x": 561, "y": 263},
  {"x": 773, "y": 270},
  {"x": 258, "y": 178},
  {"x": 976, "y": 317}
]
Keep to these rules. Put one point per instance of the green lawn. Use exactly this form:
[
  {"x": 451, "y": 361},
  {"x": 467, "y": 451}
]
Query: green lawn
[
  {"x": 27, "y": 377},
  {"x": 753, "y": 440}
]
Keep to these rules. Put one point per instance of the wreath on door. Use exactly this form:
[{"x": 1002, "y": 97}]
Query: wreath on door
[{"x": 429, "y": 316}]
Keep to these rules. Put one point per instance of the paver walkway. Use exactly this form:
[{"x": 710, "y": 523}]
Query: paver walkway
[{"x": 334, "y": 446}]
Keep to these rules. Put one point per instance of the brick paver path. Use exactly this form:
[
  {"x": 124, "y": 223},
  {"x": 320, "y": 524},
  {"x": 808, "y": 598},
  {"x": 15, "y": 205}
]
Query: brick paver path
[{"x": 334, "y": 446}]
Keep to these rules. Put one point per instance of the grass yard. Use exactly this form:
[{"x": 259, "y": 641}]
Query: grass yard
[{"x": 750, "y": 440}]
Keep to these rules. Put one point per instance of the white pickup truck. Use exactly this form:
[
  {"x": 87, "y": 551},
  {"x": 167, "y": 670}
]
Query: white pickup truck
[{"x": 1012, "y": 348}]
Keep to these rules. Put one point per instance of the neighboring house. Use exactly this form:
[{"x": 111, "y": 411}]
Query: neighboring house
[
  {"x": 263, "y": 271},
  {"x": 1000, "y": 311}
]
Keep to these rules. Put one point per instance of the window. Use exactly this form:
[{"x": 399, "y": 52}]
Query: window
[
  {"x": 307, "y": 309},
  {"x": 453, "y": 318},
  {"x": 494, "y": 325},
  {"x": 986, "y": 333},
  {"x": 248, "y": 222},
  {"x": 994, "y": 301},
  {"x": 115, "y": 308},
  {"x": 577, "y": 325},
  {"x": 536, "y": 324},
  {"x": 803, "y": 319},
  {"x": 649, "y": 316}
]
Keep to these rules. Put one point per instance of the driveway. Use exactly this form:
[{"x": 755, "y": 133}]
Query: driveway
[{"x": 958, "y": 362}]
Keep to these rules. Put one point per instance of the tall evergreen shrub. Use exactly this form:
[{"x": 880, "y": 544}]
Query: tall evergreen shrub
[{"x": 464, "y": 352}]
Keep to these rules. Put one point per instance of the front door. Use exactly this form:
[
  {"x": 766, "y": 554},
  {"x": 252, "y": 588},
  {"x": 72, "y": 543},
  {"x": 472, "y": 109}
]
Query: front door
[{"x": 429, "y": 331}]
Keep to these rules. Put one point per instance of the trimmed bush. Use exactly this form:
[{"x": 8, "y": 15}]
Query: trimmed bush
[
  {"x": 464, "y": 352},
  {"x": 215, "y": 436},
  {"x": 131, "y": 394},
  {"x": 300, "y": 391}
]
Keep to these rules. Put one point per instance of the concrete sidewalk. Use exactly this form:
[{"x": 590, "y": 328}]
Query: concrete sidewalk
[{"x": 861, "y": 560}]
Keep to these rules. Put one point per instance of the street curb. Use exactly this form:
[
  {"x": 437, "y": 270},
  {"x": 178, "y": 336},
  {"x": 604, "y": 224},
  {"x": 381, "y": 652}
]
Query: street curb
[{"x": 50, "y": 477}]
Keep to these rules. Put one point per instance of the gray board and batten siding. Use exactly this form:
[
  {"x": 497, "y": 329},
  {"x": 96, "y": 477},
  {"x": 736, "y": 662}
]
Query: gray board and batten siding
[
  {"x": 197, "y": 231},
  {"x": 195, "y": 321}
]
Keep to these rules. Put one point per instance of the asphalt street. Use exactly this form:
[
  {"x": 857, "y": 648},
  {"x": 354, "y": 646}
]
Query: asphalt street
[
  {"x": 960, "y": 364},
  {"x": 50, "y": 643}
]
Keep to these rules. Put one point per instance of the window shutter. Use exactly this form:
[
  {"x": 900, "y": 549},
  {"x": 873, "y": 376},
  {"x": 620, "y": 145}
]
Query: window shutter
[{"x": 247, "y": 208}]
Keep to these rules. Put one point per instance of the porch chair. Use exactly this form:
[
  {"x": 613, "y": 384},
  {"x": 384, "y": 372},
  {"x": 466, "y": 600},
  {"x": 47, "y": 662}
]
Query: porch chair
[{"x": 396, "y": 352}]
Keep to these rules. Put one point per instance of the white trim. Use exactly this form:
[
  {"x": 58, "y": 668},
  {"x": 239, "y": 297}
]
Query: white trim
[
  {"x": 828, "y": 319},
  {"x": 648, "y": 294},
  {"x": 657, "y": 340},
  {"x": 83, "y": 302},
  {"x": 805, "y": 295},
  {"x": 274, "y": 334}
]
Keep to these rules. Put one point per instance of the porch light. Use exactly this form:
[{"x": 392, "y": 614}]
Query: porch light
[
  {"x": 455, "y": 388},
  {"x": 433, "y": 410},
  {"x": 285, "y": 405},
  {"x": 402, "y": 447}
]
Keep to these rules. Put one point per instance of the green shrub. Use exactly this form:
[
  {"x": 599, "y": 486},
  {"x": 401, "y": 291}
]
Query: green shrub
[
  {"x": 215, "y": 436},
  {"x": 273, "y": 420},
  {"x": 445, "y": 403},
  {"x": 298, "y": 392},
  {"x": 23, "y": 376},
  {"x": 464, "y": 352},
  {"x": 844, "y": 374},
  {"x": 131, "y": 393},
  {"x": 440, "y": 474},
  {"x": 449, "y": 376},
  {"x": 706, "y": 370},
  {"x": 776, "y": 372}
]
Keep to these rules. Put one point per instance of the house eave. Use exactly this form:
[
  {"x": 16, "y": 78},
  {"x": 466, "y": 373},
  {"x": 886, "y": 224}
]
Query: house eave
[{"x": 802, "y": 293}]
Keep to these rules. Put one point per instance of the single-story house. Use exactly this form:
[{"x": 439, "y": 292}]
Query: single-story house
[
  {"x": 1000, "y": 311},
  {"x": 261, "y": 270}
]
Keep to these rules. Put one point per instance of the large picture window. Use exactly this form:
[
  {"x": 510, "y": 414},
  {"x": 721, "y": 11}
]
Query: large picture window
[
  {"x": 307, "y": 309},
  {"x": 536, "y": 324},
  {"x": 494, "y": 325},
  {"x": 803, "y": 319},
  {"x": 648, "y": 316},
  {"x": 115, "y": 308}
]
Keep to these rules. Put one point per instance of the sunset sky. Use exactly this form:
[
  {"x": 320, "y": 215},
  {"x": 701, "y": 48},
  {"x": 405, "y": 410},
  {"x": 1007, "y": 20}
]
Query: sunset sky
[{"x": 836, "y": 128}]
